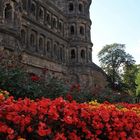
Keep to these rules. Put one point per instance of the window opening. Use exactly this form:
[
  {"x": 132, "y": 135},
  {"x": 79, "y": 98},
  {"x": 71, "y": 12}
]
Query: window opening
[
  {"x": 33, "y": 9},
  {"x": 41, "y": 14},
  {"x": 80, "y": 7},
  {"x": 60, "y": 26},
  {"x": 82, "y": 30},
  {"x": 83, "y": 54},
  {"x": 72, "y": 54},
  {"x": 54, "y": 23},
  {"x": 49, "y": 19},
  {"x": 40, "y": 43},
  {"x": 8, "y": 12},
  {"x": 55, "y": 50},
  {"x": 71, "y": 7},
  {"x": 23, "y": 36},
  {"x": 72, "y": 30},
  {"x": 48, "y": 46},
  {"x": 61, "y": 53},
  {"x": 32, "y": 40}
]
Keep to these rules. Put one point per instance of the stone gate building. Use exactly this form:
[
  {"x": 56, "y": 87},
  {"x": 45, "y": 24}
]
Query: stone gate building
[{"x": 51, "y": 34}]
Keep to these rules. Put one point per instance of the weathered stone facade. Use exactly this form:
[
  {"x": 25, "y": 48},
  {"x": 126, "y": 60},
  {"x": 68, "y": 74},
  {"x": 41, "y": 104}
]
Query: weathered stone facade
[{"x": 52, "y": 34}]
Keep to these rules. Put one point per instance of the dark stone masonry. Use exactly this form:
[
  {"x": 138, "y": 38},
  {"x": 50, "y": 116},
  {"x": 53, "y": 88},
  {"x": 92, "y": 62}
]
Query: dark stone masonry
[{"x": 52, "y": 34}]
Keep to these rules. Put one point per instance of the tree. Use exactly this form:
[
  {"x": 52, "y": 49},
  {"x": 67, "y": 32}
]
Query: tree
[
  {"x": 113, "y": 59},
  {"x": 129, "y": 77},
  {"x": 138, "y": 84}
]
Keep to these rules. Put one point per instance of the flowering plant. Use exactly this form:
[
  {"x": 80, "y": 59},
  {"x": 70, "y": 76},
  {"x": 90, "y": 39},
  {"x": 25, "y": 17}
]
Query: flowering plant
[
  {"x": 3, "y": 95},
  {"x": 45, "y": 119}
]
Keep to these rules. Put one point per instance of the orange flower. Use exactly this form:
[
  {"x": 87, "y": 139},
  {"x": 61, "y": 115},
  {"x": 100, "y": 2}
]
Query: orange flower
[{"x": 1, "y": 97}]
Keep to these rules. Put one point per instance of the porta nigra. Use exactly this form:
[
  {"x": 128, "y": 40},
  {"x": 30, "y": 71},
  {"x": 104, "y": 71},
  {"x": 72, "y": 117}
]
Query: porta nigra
[{"x": 52, "y": 34}]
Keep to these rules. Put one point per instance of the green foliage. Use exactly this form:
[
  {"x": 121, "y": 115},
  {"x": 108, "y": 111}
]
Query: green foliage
[
  {"x": 15, "y": 79},
  {"x": 113, "y": 58},
  {"x": 129, "y": 76},
  {"x": 18, "y": 83},
  {"x": 112, "y": 96},
  {"x": 82, "y": 96},
  {"x": 138, "y": 84},
  {"x": 54, "y": 88}
]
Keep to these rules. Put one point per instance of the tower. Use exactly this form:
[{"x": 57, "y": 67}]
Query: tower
[
  {"x": 80, "y": 45},
  {"x": 79, "y": 23}
]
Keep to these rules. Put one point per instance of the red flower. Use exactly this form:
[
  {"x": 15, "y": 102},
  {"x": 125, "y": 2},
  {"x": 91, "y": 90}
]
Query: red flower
[
  {"x": 73, "y": 136},
  {"x": 60, "y": 120},
  {"x": 68, "y": 119},
  {"x": 78, "y": 87},
  {"x": 10, "y": 131},
  {"x": 69, "y": 97},
  {"x": 3, "y": 128},
  {"x": 60, "y": 136},
  {"x": 29, "y": 129},
  {"x": 11, "y": 137},
  {"x": 44, "y": 132},
  {"x": 122, "y": 135},
  {"x": 35, "y": 78}
]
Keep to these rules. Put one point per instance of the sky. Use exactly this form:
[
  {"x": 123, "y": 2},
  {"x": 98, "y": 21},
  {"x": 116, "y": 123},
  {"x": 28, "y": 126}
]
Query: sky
[{"x": 116, "y": 21}]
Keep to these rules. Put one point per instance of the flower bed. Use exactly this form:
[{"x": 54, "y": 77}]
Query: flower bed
[{"x": 45, "y": 119}]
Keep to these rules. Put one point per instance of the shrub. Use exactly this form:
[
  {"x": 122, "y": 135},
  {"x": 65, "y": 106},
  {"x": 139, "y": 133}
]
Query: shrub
[
  {"x": 54, "y": 88},
  {"x": 78, "y": 94},
  {"x": 19, "y": 83},
  {"x": 111, "y": 96},
  {"x": 15, "y": 79}
]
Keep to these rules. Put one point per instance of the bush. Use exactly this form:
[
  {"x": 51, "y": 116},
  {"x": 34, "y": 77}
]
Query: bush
[
  {"x": 111, "y": 96},
  {"x": 78, "y": 94},
  {"x": 19, "y": 83},
  {"x": 54, "y": 88},
  {"x": 15, "y": 79}
]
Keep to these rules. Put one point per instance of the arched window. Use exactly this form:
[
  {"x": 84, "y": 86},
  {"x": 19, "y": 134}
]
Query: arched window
[
  {"x": 48, "y": 46},
  {"x": 83, "y": 54},
  {"x": 72, "y": 54},
  {"x": 55, "y": 50},
  {"x": 33, "y": 9},
  {"x": 80, "y": 7},
  {"x": 90, "y": 55},
  {"x": 81, "y": 30},
  {"x": 72, "y": 30},
  {"x": 71, "y": 7},
  {"x": 23, "y": 36},
  {"x": 54, "y": 23},
  {"x": 48, "y": 18},
  {"x": 60, "y": 25},
  {"x": 32, "y": 40},
  {"x": 41, "y": 43},
  {"x": 61, "y": 54},
  {"x": 41, "y": 14},
  {"x": 8, "y": 12}
]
